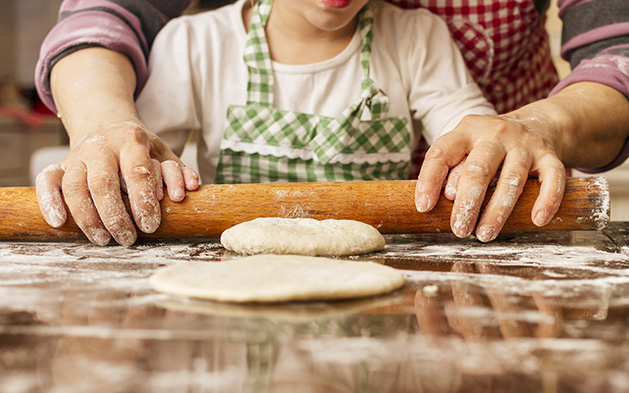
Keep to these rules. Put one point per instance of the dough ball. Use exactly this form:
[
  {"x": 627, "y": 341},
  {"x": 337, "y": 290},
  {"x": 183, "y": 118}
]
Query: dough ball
[{"x": 302, "y": 236}]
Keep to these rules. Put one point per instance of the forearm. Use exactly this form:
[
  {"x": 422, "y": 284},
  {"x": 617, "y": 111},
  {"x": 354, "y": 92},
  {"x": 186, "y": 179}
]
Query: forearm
[
  {"x": 93, "y": 89},
  {"x": 586, "y": 123},
  {"x": 128, "y": 27}
]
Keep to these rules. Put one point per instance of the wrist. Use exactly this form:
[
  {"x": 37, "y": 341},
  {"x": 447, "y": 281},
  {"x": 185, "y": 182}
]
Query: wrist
[
  {"x": 549, "y": 121},
  {"x": 93, "y": 90}
]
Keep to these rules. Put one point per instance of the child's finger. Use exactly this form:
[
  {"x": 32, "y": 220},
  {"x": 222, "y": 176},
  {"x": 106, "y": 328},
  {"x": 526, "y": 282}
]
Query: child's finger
[{"x": 191, "y": 178}]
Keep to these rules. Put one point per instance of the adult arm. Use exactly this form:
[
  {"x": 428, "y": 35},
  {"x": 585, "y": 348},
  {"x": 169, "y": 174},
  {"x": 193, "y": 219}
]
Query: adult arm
[
  {"x": 93, "y": 90},
  {"x": 125, "y": 26},
  {"x": 582, "y": 124},
  {"x": 595, "y": 41},
  {"x": 110, "y": 149}
]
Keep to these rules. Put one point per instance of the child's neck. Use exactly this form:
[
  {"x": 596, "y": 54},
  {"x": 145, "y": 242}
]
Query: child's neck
[{"x": 292, "y": 39}]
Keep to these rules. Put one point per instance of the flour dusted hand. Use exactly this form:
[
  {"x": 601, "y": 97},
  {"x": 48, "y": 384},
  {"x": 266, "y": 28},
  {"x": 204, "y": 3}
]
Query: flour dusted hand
[{"x": 302, "y": 236}]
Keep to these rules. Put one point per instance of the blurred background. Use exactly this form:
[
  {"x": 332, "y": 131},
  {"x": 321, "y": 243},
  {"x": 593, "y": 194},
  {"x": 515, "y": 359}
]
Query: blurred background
[{"x": 31, "y": 137}]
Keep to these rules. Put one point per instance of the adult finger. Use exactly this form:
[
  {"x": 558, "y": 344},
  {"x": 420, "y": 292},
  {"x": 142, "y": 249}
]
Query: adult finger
[
  {"x": 104, "y": 187},
  {"x": 174, "y": 179},
  {"x": 480, "y": 167},
  {"x": 552, "y": 177},
  {"x": 191, "y": 179},
  {"x": 48, "y": 190},
  {"x": 136, "y": 168},
  {"x": 446, "y": 152},
  {"x": 453, "y": 180},
  {"x": 514, "y": 173},
  {"x": 81, "y": 206}
]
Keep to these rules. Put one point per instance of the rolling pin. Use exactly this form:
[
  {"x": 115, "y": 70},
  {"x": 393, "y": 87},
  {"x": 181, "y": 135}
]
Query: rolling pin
[{"x": 387, "y": 205}]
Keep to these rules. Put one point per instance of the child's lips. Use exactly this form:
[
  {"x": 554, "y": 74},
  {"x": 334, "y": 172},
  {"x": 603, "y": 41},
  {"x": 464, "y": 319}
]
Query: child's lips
[{"x": 335, "y": 3}]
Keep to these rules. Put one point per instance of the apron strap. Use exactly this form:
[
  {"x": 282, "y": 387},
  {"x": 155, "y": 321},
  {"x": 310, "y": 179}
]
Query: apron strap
[
  {"x": 377, "y": 104},
  {"x": 258, "y": 60}
]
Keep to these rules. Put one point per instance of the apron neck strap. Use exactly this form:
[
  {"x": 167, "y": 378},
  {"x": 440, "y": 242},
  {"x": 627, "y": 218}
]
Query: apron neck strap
[{"x": 257, "y": 56}]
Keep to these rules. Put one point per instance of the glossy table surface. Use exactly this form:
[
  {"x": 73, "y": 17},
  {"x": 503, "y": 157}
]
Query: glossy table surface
[{"x": 545, "y": 312}]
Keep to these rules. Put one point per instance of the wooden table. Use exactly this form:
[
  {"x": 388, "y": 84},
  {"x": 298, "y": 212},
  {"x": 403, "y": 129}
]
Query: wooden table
[{"x": 545, "y": 312}]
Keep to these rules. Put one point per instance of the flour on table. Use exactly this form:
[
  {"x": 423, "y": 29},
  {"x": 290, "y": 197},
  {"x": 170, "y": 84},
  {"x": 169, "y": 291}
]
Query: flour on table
[
  {"x": 277, "y": 278},
  {"x": 302, "y": 236}
]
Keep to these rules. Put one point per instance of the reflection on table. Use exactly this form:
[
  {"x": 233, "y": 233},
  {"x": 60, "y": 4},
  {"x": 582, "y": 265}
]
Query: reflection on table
[{"x": 543, "y": 312}]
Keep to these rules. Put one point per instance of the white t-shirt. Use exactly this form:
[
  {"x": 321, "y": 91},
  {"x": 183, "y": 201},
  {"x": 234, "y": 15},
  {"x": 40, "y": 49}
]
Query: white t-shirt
[{"x": 196, "y": 71}]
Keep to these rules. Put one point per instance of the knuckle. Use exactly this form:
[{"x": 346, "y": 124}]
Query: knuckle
[
  {"x": 435, "y": 153},
  {"x": 137, "y": 134},
  {"x": 138, "y": 172},
  {"x": 114, "y": 222},
  {"x": 471, "y": 120},
  {"x": 477, "y": 170},
  {"x": 102, "y": 181},
  {"x": 72, "y": 186},
  {"x": 513, "y": 181}
]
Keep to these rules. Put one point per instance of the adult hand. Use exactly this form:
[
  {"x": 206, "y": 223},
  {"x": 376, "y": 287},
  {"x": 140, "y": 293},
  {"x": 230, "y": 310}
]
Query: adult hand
[
  {"x": 582, "y": 126},
  {"x": 123, "y": 157},
  {"x": 110, "y": 150},
  {"x": 472, "y": 155}
]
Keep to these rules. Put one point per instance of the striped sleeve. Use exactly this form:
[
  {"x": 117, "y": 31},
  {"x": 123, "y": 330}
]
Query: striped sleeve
[
  {"x": 126, "y": 26},
  {"x": 595, "y": 40}
]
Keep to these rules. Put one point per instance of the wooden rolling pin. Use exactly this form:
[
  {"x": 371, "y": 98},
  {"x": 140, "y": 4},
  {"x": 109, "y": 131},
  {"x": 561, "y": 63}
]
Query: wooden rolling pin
[{"x": 386, "y": 205}]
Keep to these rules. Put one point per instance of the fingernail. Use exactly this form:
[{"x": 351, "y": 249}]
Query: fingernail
[
  {"x": 100, "y": 237},
  {"x": 541, "y": 219},
  {"x": 486, "y": 233},
  {"x": 178, "y": 195},
  {"x": 461, "y": 229},
  {"x": 450, "y": 192},
  {"x": 422, "y": 203},
  {"x": 126, "y": 238},
  {"x": 55, "y": 218},
  {"x": 149, "y": 223}
]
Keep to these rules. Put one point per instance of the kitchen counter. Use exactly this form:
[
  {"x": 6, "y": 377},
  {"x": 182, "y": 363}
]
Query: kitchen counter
[{"x": 544, "y": 312}]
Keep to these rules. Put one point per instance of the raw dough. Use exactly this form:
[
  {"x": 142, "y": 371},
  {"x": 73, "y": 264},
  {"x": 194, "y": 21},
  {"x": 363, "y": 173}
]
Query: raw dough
[
  {"x": 277, "y": 278},
  {"x": 302, "y": 236}
]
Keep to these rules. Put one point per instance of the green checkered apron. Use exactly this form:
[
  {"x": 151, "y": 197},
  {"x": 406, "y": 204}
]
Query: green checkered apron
[{"x": 265, "y": 144}]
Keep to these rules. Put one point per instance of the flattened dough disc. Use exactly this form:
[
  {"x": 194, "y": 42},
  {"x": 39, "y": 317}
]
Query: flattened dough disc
[
  {"x": 302, "y": 236},
  {"x": 277, "y": 278}
]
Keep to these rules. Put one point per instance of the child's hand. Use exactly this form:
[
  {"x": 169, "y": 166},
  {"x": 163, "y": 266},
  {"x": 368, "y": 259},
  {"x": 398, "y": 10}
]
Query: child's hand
[
  {"x": 471, "y": 155},
  {"x": 125, "y": 156}
]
